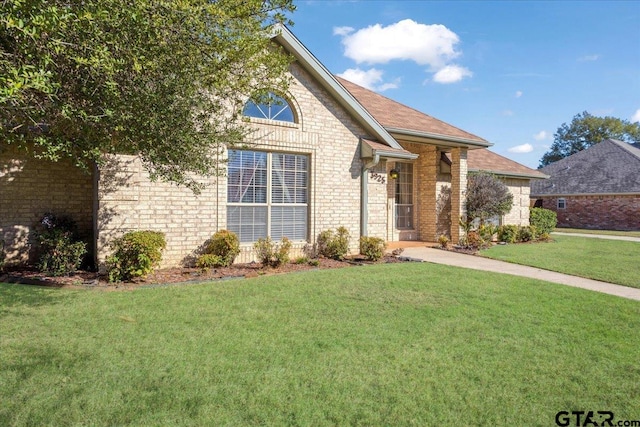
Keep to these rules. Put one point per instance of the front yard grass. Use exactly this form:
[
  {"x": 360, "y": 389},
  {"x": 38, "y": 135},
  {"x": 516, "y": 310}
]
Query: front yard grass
[
  {"x": 611, "y": 261},
  {"x": 399, "y": 344}
]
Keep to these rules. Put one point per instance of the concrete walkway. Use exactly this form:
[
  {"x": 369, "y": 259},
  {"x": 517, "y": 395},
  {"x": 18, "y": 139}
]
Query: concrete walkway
[
  {"x": 456, "y": 259},
  {"x": 598, "y": 236}
]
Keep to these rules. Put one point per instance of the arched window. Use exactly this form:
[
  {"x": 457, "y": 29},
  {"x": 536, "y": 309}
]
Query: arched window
[{"x": 271, "y": 107}]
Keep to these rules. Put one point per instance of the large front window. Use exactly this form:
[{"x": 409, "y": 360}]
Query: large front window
[
  {"x": 267, "y": 195},
  {"x": 404, "y": 196}
]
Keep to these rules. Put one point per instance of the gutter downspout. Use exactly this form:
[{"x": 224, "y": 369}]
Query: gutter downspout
[{"x": 364, "y": 196}]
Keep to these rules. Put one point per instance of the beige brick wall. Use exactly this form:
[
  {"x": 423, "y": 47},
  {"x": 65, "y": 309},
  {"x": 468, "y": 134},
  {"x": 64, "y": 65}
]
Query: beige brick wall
[
  {"x": 519, "y": 214},
  {"x": 325, "y": 132},
  {"x": 30, "y": 188},
  {"x": 378, "y": 184}
]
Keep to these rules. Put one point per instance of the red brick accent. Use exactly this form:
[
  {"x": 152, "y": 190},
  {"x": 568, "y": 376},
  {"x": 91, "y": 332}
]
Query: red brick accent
[{"x": 597, "y": 212}]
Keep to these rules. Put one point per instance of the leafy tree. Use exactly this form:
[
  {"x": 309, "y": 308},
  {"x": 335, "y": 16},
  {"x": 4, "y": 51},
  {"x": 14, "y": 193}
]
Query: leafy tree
[
  {"x": 486, "y": 197},
  {"x": 586, "y": 130},
  {"x": 164, "y": 79}
]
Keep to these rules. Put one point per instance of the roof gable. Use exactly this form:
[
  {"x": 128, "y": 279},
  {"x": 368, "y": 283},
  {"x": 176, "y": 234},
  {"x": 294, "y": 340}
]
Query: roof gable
[
  {"x": 609, "y": 167},
  {"x": 312, "y": 65}
]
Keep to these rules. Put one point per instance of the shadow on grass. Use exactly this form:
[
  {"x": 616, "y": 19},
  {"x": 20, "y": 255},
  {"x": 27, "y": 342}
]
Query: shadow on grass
[{"x": 20, "y": 295}]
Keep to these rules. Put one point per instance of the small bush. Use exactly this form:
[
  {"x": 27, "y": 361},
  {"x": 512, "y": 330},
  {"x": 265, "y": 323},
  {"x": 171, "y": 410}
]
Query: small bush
[
  {"x": 526, "y": 233},
  {"x": 334, "y": 245},
  {"x": 60, "y": 252},
  {"x": 474, "y": 240},
  {"x": 207, "y": 261},
  {"x": 226, "y": 245},
  {"x": 272, "y": 254},
  {"x": 544, "y": 237},
  {"x": 444, "y": 241},
  {"x": 544, "y": 220},
  {"x": 508, "y": 233},
  {"x": 314, "y": 262},
  {"x": 301, "y": 260},
  {"x": 487, "y": 231},
  {"x": 135, "y": 254},
  {"x": 372, "y": 247}
]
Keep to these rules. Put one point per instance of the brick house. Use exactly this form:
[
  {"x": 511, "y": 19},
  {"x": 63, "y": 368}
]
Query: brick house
[
  {"x": 328, "y": 154},
  {"x": 597, "y": 188}
]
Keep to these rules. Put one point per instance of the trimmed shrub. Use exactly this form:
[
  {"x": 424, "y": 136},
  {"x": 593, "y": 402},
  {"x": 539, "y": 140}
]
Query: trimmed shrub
[
  {"x": 444, "y": 241},
  {"x": 508, "y": 233},
  {"x": 60, "y": 252},
  {"x": 301, "y": 260},
  {"x": 544, "y": 220},
  {"x": 207, "y": 261},
  {"x": 372, "y": 247},
  {"x": 526, "y": 233},
  {"x": 226, "y": 245},
  {"x": 334, "y": 245},
  {"x": 272, "y": 254},
  {"x": 135, "y": 254}
]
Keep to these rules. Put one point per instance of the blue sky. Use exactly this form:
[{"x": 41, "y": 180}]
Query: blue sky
[{"x": 508, "y": 71}]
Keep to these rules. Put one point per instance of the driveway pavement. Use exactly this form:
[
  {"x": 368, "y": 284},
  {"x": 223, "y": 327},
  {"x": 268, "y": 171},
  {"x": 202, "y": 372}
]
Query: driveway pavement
[{"x": 438, "y": 256}]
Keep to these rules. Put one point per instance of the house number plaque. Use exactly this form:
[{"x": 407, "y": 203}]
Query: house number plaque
[{"x": 378, "y": 177}]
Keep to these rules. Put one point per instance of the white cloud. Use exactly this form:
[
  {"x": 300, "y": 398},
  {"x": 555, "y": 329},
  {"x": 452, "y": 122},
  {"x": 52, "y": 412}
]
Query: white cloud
[
  {"x": 451, "y": 74},
  {"x": 636, "y": 116},
  {"x": 541, "y": 136},
  {"x": 518, "y": 94},
  {"x": 371, "y": 79},
  {"x": 594, "y": 57},
  {"x": 524, "y": 148},
  {"x": 507, "y": 113},
  {"x": 342, "y": 31},
  {"x": 432, "y": 45}
]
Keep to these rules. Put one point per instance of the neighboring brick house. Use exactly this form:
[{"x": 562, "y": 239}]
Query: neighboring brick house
[
  {"x": 597, "y": 188},
  {"x": 322, "y": 157}
]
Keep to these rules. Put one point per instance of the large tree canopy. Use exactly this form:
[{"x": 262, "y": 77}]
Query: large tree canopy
[
  {"x": 586, "y": 130},
  {"x": 164, "y": 79}
]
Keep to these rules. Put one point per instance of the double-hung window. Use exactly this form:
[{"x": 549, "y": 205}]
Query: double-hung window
[{"x": 267, "y": 195}]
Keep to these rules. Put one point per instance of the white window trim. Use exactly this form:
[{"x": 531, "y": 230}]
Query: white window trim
[
  {"x": 269, "y": 204},
  {"x": 562, "y": 201}
]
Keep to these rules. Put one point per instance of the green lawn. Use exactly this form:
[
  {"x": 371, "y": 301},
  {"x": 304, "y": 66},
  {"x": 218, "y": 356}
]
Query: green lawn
[
  {"x": 611, "y": 261},
  {"x": 605, "y": 232},
  {"x": 397, "y": 344}
]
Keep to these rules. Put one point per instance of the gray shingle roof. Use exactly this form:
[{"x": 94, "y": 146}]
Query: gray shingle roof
[{"x": 610, "y": 167}]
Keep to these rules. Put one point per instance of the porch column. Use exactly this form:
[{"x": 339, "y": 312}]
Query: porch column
[
  {"x": 458, "y": 190},
  {"x": 427, "y": 173}
]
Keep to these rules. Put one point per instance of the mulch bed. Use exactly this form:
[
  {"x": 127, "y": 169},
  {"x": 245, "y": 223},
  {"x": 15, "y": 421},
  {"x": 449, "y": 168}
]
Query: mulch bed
[{"x": 168, "y": 276}]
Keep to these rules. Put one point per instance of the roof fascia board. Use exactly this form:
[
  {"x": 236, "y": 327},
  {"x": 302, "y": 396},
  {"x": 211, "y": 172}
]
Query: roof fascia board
[
  {"x": 326, "y": 79},
  {"x": 444, "y": 140},
  {"x": 393, "y": 155},
  {"x": 512, "y": 174},
  {"x": 367, "y": 152}
]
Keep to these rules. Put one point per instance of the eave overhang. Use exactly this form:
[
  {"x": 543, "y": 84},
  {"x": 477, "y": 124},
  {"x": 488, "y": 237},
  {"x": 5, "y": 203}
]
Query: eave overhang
[
  {"x": 512, "y": 174},
  {"x": 371, "y": 149},
  {"x": 437, "y": 139}
]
